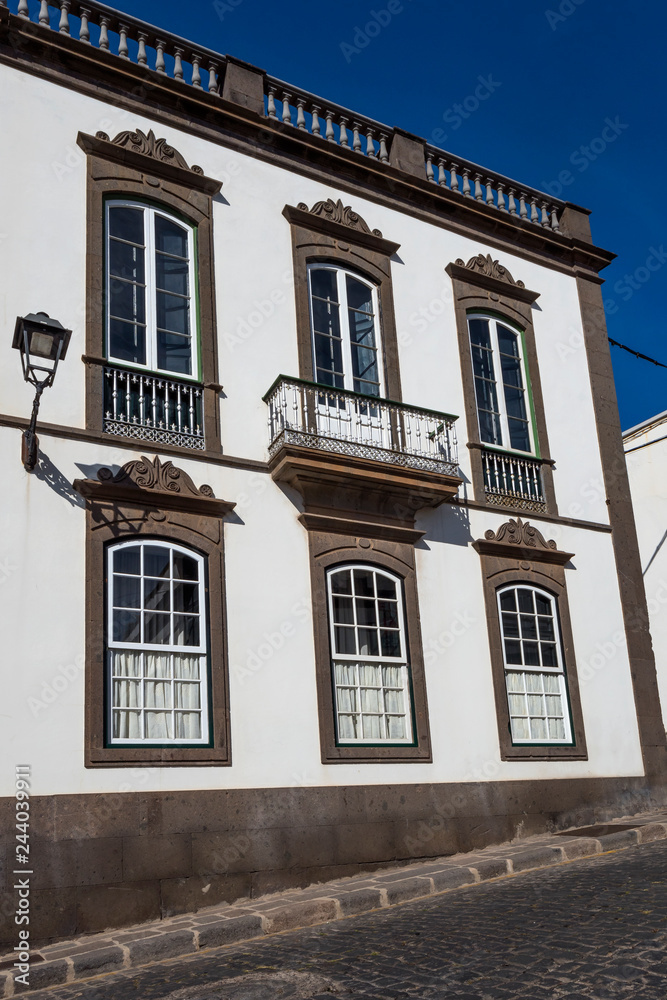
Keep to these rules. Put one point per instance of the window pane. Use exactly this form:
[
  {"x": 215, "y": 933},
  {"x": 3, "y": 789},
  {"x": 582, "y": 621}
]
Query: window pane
[
  {"x": 556, "y": 729},
  {"x": 519, "y": 435},
  {"x": 386, "y": 587},
  {"x": 186, "y": 630},
  {"x": 186, "y": 597},
  {"x": 156, "y": 627},
  {"x": 323, "y": 283},
  {"x": 174, "y": 353},
  {"x": 328, "y": 354},
  {"x": 341, "y": 583},
  {"x": 157, "y": 595},
  {"x": 525, "y": 601},
  {"x": 510, "y": 625},
  {"x": 173, "y": 313},
  {"x": 126, "y": 694},
  {"x": 513, "y": 651},
  {"x": 127, "y": 725},
  {"x": 187, "y": 725},
  {"x": 186, "y": 666},
  {"x": 185, "y": 567},
  {"x": 371, "y": 727},
  {"x": 520, "y": 729},
  {"x": 531, "y": 654},
  {"x": 538, "y": 729},
  {"x": 345, "y": 640},
  {"x": 326, "y": 317},
  {"x": 489, "y": 427},
  {"x": 158, "y": 726},
  {"x": 396, "y": 728},
  {"x": 368, "y": 642},
  {"x": 543, "y": 604},
  {"x": 388, "y": 612},
  {"x": 125, "y": 664},
  {"x": 170, "y": 238},
  {"x": 126, "y": 261},
  {"x": 366, "y": 612},
  {"x": 157, "y": 694},
  {"x": 127, "y": 301},
  {"x": 514, "y": 681},
  {"x": 127, "y": 224},
  {"x": 391, "y": 643},
  {"x": 528, "y": 627},
  {"x": 370, "y": 700},
  {"x": 549, "y": 655},
  {"x": 127, "y": 560},
  {"x": 157, "y": 664},
  {"x": 126, "y": 592},
  {"x": 479, "y": 332},
  {"x": 172, "y": 275},
  {"x": 186, "y": 695},
  {"x": 364, "y": 364},
  {"x": 363, "y": 583},
  {"x": 126, "y": 626},
  {"x": 546, "y": 629},
  {"x": 482, "y": 360},
  {"x": 347, "y": 727},
  {"x": 508, "y": 601},
  {"x": 343, "y": 612},
  {"x": 516, "y": 405},
  {"x": 345, "y": 673},
  {"x": 127, "y": 342},
  {"x": 508, "y": 341},
  {"x": 156, "y": 560},
  {"x": 359, "y": 295}
]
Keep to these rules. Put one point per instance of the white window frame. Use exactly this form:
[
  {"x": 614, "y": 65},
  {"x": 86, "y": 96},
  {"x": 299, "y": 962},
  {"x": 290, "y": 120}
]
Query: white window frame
[
  {"x": 202, "y": 650},
  {"x": 558, "y": 671},
  {"x": 346, "y": 345},
  {"x": 150, "y": 284},
  {"x": 500, "y": 391},
  {"x": 401, "y": 661}
]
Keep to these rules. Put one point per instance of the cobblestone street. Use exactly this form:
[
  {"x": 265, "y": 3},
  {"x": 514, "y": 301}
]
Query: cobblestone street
[{"x": 592, "y": 928}]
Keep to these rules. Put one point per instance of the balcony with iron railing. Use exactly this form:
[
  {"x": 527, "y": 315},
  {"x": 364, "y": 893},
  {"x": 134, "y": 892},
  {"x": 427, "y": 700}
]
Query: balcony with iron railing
[
  {"x": 154, "y": 408},
  {"x": 321, "y": 437},
  {"x": 197, "y": 70},
  {"x": 514, "y": 481}
]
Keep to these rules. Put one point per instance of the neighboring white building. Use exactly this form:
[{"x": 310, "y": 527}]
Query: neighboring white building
[
  {"x": 646, "y": 457},
  {"x": 237, "y": 661}
]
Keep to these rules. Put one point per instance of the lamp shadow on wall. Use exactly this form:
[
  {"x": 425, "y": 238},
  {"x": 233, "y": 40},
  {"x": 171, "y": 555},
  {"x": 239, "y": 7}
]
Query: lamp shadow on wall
[{"x": 47, "y": 473}]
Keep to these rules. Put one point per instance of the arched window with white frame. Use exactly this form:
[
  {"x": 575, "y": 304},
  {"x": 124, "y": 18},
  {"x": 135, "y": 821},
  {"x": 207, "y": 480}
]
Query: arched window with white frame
[
  {"x": 157, "y": 645},
  {"x": 535, "y": 678},
  {"x": 501, "y": 384},
  {"x": 344, "y": 317},
  {"x": 370, "y": 665},
  {"x": 150, "y": 289}
]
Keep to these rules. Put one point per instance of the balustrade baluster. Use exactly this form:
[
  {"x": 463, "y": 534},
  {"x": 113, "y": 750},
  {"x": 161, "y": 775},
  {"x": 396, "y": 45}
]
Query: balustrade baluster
[
  {"x": 196, "y": 76},
  {"x": 501, "y": 198},
  {"x": 23, "y": 9},
  {"x": 271, "y": 104},
  {"x": 123, "y": 51},
  {"x": 159, "y": 56},
  {"x": 84, "y": 32},
  {"x": 356, "y": 139},
  {"x": 179, "y": 407},
  {"x": 554, "y": 221},
  {"x": 192, "y": 411},
  {"x": 513, "y": 470},
  {"x": 104, "y": 34},
  {"x": 300, "y": 116},
  {"x": 442, "y": 176},
  {"x": 178, "y": 64},
  {"x": 384, "y": 154},
  {"x": 466, "y": 183},
  {"x": 343, "y": 139},
  {"x": 453, "y": 179},
  {"x": 370, "y": 145},
  {"x": 212, "y": 78},
  {"x": 489, "y": 192},
  {"x": 534, "y": 217},
  {"x": 63, "y": 26},
  {"x": 523, "y": 211},
  {"x": 478, "y": 187},
  {"x": 544, "y": 221},
  {"x": 142, "y": 58},
  {"x": 114, "y": 396},
  {"x": 154, "y": 402},
  {"x": 430, "y": 176},
  {"x": 142, "y": 400},
  {"x": 287, "y": 114},
  {"x": 512, "y": 203},
  {"x": 43, "y": 13},
  {"x": 315, "y": 127},
  {"x": 166, "y": 404},
  {"x": 128, "y": 398},
  {"x": 330, "y": 136}
]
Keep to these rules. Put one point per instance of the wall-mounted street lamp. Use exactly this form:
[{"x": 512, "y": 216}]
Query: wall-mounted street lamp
[{"x": 42, "y": 343}]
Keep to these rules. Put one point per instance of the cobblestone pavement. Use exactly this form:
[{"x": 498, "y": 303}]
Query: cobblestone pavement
[{"x": 594, "y": 929}]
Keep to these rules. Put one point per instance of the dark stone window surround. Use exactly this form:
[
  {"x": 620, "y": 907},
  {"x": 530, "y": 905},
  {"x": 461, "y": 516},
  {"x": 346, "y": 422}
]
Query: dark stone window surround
[
  {"x": 527, "y": 558},
  {"x": 319, "y": 239},
  {"x": 119, "y": 171},
  {"x": 331, "y": 549},
  {"x": 152, "y": 500},
  {"x": 474, "y": 291}
]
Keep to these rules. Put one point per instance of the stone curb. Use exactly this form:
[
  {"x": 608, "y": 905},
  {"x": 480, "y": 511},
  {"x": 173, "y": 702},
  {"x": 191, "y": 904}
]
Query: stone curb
[{"x": 244, "y": 920}]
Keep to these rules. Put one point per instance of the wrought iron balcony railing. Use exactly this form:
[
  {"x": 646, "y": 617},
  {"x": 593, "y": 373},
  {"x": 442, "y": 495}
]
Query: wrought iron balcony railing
[
  {"x": 513, "y": 481},
  {"x": 153, "y": 408},
  {"x": 349, "y": 423}
]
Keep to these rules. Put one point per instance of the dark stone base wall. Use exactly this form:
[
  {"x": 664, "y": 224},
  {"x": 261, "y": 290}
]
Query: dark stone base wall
[{"x": 102, "y": 861}]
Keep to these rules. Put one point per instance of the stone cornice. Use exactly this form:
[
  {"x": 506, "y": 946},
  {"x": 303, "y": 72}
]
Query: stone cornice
[
  {"x": 341, "y": 222},
  {"x": 488, "y": 273}
]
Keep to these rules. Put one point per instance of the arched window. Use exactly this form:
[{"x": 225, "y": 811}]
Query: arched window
[
  {"x": 501, "y": 384},
  {"x": 369, "y": 656},
  {"x": 157, "y": 641},
  {"x": 150, "y": 286},
  {"x": 534, "y": 671},
  {"x": 345, "y": 330}
]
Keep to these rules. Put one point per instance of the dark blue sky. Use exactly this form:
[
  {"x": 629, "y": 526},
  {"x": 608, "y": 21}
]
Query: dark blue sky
[{"x": 559, "y": 73}]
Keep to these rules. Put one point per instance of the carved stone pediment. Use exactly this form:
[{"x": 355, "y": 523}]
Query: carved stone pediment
[
  {"x": 335, "y": 211},
  {"x": 150, "y": 155},
  {"x": 492, "y": 268},
  {"x": 521, "y": 540},
  {"x": 340, "y": 221},
  {"x": 155, "y": 484},
  {"x": 148, "y": 145},
  {"x": 483, "y": 270}
]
